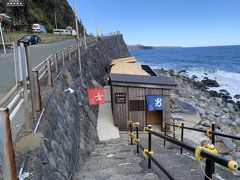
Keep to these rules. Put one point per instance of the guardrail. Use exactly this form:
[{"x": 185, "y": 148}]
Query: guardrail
[{"x": 208, "y": 153}]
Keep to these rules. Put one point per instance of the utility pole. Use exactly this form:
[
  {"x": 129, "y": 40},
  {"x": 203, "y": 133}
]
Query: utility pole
[
  {"x": 78, "y": 47},
  {"x": 94, "y": 14},
  {"x": 55, "y": 15},
  {"x": 85, "y": 39}
]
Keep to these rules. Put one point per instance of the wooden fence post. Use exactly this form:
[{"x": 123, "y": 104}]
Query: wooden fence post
[
  {"x": 56, "y": 62},
  {"x": 49, "y": 70},
  {"x": 6, "y": 146},
  {"x": 37, "y": 91},
  {"x": 63, "y": 57}
]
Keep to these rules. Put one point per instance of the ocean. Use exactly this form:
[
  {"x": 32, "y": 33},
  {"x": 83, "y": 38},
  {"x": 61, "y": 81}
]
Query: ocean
[{"x": 221, "y": 63}]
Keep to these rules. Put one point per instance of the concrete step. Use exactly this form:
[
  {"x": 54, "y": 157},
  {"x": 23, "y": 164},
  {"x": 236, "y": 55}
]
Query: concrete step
[{"x": 114, "y": 160}]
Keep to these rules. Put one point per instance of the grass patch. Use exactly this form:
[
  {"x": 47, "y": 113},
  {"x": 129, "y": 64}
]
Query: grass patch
[{"x": 45, "y": 37}]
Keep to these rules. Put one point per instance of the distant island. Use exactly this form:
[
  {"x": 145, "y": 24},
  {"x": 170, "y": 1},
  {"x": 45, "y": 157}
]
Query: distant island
[{"x": 139, "y": 46}]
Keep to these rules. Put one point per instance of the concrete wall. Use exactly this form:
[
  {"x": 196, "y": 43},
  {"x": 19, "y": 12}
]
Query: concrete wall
[{"x": 69, "y": 123}]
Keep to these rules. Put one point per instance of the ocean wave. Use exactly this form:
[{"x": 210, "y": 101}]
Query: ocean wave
[{"x": 227, "y": 80}]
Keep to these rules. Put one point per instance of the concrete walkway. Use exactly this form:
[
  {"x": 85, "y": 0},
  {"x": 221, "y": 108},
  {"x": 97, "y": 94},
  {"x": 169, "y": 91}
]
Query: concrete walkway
[{"x": 105, "y": 127}]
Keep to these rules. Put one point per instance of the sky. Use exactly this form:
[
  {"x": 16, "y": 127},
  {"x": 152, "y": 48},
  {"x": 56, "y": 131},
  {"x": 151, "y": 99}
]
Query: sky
[{"x": 187, "y": 23}]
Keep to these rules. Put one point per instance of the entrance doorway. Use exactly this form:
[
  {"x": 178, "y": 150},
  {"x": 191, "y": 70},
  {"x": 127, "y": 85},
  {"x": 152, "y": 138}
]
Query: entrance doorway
[{"x": 154, "y": 117}]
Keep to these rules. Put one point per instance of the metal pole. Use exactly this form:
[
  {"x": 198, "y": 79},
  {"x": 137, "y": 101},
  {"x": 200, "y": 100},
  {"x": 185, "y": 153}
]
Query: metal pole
[
  {"x": 165, "y": 133},
  {"x": 4, "y": 49},
  {"x": 63, "y": 58},
  {"x": 69, "y": 54},
  {"x": 78, "y": 39},
  {"x": 49, "y": 70},
  {"x": 137, "y": 139},
  {"x": 55, "y": 15},
  {"x": 213, "y": 142},
  {"x": 6, "y": 146},
  {"x": 95, "y": 21},
  {"x": 208, "y": 169},
  {"x": 149, "y": 145},
  {"x": 174, "y": 129},
  {"x": 37, "y": 91},
  {"x": 131, "y": 133},
  {"x": 182, "y": 137},
  {"x": 25, "y": 90},
  {"x": 30, "y": 75},
  {"x": 85, "y": 40},
  {"x": 16, "y": 64},
  {"x": 56, "y": 63}
]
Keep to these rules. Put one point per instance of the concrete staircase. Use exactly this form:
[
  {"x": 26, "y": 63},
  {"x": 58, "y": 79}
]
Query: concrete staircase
[{"x": 114, "y": 160}]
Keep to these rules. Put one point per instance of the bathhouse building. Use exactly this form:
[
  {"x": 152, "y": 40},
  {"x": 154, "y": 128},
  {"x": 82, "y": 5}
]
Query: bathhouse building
[{"x": 138, "y": 94}]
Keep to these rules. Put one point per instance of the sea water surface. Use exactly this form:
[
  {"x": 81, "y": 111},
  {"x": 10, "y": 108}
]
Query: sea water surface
[{"x": 221, "y": 63}]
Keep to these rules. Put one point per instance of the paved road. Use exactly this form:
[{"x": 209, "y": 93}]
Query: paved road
[{"x": 38, "y": 54}]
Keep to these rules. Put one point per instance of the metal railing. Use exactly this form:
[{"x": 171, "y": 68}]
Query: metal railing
[
  {"x": 47, "y": 69},
  {"x": 210, "y": 155}
]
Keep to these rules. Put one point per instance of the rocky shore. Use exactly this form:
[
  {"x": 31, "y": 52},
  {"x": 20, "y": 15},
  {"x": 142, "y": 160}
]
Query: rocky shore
[{"x": 193, "y": 96}]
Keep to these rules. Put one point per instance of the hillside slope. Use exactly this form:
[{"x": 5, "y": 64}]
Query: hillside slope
[{"x": 38, "y": 11}]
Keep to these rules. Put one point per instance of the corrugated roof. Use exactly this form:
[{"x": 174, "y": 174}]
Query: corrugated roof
[{"x": 142, "y": 79}]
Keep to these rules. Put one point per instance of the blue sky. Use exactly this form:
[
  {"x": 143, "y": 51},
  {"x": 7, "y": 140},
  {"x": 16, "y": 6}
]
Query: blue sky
[{"x": 165, "y": 22}]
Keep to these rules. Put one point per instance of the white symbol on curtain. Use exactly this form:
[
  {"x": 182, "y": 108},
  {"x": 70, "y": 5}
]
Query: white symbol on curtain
[{"x": 158, "y": 102}]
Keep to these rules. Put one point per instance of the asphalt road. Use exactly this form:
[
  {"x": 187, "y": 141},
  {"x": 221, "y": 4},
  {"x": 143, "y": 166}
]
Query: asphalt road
[{"x": 38, "y": 54}]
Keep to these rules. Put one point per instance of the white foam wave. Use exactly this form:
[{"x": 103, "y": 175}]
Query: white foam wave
[{"x": 227, "y": 80}]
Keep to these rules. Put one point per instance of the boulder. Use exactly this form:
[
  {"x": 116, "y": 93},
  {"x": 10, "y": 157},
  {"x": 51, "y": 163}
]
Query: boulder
[
  {"x": 230, "y": 107},
  {"x": 182, "y": 71},
  {"x": 219, "y": 101},
  {"x": 171, "y": 72},
  {"x": 226, "y": 97},
  {"x": 225, "y": 92},
  {"x": 194, "y": 77},
  {"x": 202, "y": 98},
  {"x": 210, "y": 83},
  {"x": 237, "y": 96},
  {"x": 225, "y": 121},
  {"x": 206, "y": 123},
  {"x": 238, "y": 104},
  {"x": 228, "y": 143},
  {"x": 217, "y": 114},
  {"x": 237, "y": 121},
  {"x": 201, "y": 111},
  {"x": 214, "y": 93},
  {"x": 226, "y": 110}
]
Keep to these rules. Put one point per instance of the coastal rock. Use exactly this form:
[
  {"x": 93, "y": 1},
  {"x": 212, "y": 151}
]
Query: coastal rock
[
  {"x": 225, "y": 92},
  {"x": 226, "y": 97},
  {"x": 171, "y": 72},
  {"x": 194, "y": 77},
  {"x": 222, "y": 149},
  {"x": 182, "y": 71},
  {"x": 210, "y": 83},
  {"x": 214, "y": 93},
  {"x": 206, "y": 123},
  {"x": 217, "y": 114},
  {"x": 219, "y": 101},
  {"x": 225, "y": 121},
  {"x": 237, "y": 96},
  {"x": 202, "y": 98},
  {"x": 226, "y": 110},
  {"x": 201, "y": 111},
  {"x": 230, "y": 107},
  {"x": 238, "y": 104},
  {"x": 237, "y": 121},
  {"x": 228, "y": 143}
]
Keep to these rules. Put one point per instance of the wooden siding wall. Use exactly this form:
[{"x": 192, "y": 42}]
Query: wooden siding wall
[
  {"x": 137, "y": 94},
  {"x": 121, "y": 113}
]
